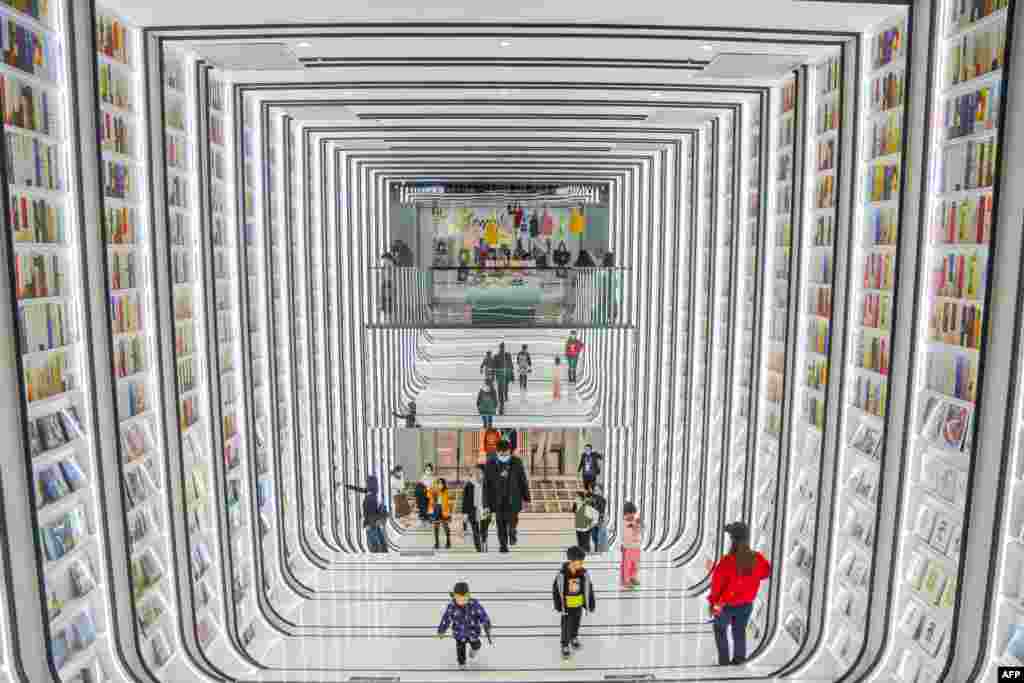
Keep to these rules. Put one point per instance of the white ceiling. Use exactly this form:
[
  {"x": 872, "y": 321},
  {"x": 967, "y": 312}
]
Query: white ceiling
[{"x": 720, "y": 13}]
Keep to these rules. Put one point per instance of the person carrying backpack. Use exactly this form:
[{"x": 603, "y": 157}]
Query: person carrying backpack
[{"x": 573, "y": 349}]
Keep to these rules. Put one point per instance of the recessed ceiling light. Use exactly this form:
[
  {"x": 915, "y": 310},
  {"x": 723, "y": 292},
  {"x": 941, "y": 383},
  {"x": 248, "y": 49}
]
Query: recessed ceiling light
[
  {"x": 655, "y": 94},
  {"x": 505, "y": 43},
  {"x": 304, "y": 44},
  {"x": 707, "y": 47},
  {"x": 504, "y": 93}
]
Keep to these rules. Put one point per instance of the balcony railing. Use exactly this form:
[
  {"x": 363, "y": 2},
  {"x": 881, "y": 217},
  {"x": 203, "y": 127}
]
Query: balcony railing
[{"x": 508, "y": 295}]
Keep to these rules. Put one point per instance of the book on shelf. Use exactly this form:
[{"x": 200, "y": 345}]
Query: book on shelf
[
  {"x": 971, "y": 113},
  {"x": 956, "y": 323},
  {"x": 964, "y": 221},
  {"x": 829, "y": 76},
  {"x": 122, "y": 225},
  {"x": 35, "y": 219},
  {"x": 886, "y": 136},
  {"x": 795, "y": 627},
  {"x": 50, "y": 485},
  {"x": 975, "y": 54},
  {"x": 828, "y": 117},
  {"x": 162, "y": 648},
  {"x": 118, "y": 180},
  {"x": 32, "y": 163},
  {"x": 953, "y": 375},
  {"x": 788, "y": 96},
  {"x": 115, "y": 88},
  {"x": 968, "y": 166},
  {"x": 123, "y": 270},
  {"x": 129, "y": 356},
  {"x": 149, "y": 614},
  {"x": 137, "y": 442},
  {"x": 883, "y": 182},
  {"x": 887, "y": 91},
  {"x": 825, "y": 195},
  {"x": 911, "y": 619},
  {"x": 139, "y": 486},
  {"x": 915, "y": 571},
  {"x": 933, "y": 635},
  {"x": 28, "y": 50},
  {"x": 887, "y": 47},
  {"x": 174, "y": 115},
  {"x": 141, "y": 525},
  {"x": 28, "y": 106},
  {"x": 146, "y": 572},
  {"x": 48, "y": 377},
  {"x": 116, "y": 134},
  {"x": 133, "y": 398},
  {"x": 178, "y": 192},
  {"x": 869, "y": 395},
  {"x": 64, "y": 535},
  {"x": 112, "y": 39},
  {"x": 125, "y": 313},
  {"x": 963, "y": 13}
]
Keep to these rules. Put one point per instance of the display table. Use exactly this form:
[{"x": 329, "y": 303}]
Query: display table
[{"x": 493, "y": 298}]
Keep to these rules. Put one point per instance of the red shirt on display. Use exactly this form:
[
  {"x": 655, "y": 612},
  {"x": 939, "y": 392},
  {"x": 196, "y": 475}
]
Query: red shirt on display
[{"x": 729, "y": 588}]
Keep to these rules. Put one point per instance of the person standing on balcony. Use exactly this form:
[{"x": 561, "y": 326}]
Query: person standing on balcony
[
  {"x": 487, "y": 404},
  {"x": 525, "y": 365},
  {"x": 589, "y": 467},
  {"x": 573, "y": 349},
  {"x": 504, "y": 373}
]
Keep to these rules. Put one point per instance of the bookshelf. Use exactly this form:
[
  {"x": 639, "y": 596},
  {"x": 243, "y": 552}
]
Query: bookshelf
[
  {"x": 963, "y": 151},
  {"x": 46, "y": 258},
  {"x": 824, "y": 102},
  {"x": 299, "y": 326},
  {"x": 128, "y": 239},
  {"x": 873, "y": 259}
]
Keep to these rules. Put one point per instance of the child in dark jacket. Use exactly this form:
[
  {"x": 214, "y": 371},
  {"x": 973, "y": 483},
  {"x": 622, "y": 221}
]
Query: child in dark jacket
[
  {"x": 573, "y": 594},
  {"x": 466, "y": 617},
  {"x": 374, "y": 515}
]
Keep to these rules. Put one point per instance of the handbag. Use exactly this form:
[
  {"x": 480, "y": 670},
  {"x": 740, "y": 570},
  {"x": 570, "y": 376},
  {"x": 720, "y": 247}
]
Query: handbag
[
  {"x": 562, "y": 256},
  {"x": 402, "y": 507}
]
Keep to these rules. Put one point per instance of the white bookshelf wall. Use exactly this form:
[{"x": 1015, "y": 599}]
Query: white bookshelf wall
[
  {"x": 46, "y": 257},
  {"x": 869, "y": 324},
  {"x": 963, "y": 143}
]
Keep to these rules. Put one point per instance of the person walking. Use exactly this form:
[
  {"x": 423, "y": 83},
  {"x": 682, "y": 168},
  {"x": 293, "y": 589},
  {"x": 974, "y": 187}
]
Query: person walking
[
  {"x": 573, "y": 594},
  {"x": 441, "y": 513},
  {"x": 525, "y": 366},
  {"x": 504, "y": 373},
  {"x": 467, "y": 618},
  {"x": 556, "y": 379},
  {"x": 487, "y": 404},
  {"x": 632, "y": 534},
  {"x": 589, "y": 467},
  {"x": 409, "y": 417},
  {"x": 586, "y": 519},
  {"x": 423, "y": 487},
  {"x": 735, "y": 581},
  {"x": 373, "y": 515},
  {"x": 473, "y": 506},
  {"x": 507, "y": 488},
  {"x": 599, "y": 534},
  {"x": 573, "y": 349},
  {"x": 488, "y": 368}
]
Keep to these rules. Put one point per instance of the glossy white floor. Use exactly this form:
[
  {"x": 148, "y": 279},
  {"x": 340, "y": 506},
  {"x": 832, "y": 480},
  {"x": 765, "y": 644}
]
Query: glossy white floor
[
  {"x": 451, "y": 367},
  {"x": 377, "y": 617}
]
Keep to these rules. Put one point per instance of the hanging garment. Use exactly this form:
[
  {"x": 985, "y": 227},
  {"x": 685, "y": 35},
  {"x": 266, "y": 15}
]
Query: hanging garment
[
  {"x": 576, "y": 222},
  {"x": 534, "y": 225},
  {"x": 549, "y": 223},
  {"x": 491, "y": 232}
]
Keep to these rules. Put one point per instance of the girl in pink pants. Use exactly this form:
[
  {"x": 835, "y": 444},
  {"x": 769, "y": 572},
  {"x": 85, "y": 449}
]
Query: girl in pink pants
[{"x": 632, "y": 529}]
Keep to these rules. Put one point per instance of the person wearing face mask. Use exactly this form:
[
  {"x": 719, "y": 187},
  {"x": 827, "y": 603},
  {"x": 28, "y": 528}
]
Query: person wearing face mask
[
  {"x": 589, "y": 467},
  {"x": 474, "y": 508},
  {"x": 423, "y": 487},
  {"x": 506, "y": 488}
]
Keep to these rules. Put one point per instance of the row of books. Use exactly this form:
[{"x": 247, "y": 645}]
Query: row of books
[
  {"x": 967, "y": 166},
  {"x": 887, "y": 47},
  {"x": 869, "y": 395},
  {"x": 124, "y": 270},
  {"x": 37, "y": 9},
  {"x": 787, "y": 130},
  {"x": 181, "y": 267},
  {"x": 826, "y": 156},
  {"x": 133, "y": 398},
  {"x": 964, "y": 221},
  {"x": 959, "y": 276},
  {"x": 48, "y": 377},
  {"x": 63, "y": 535},
  {"x": 188, "y": 412},
  {"x": 176, "y": 153},
  {"x": 186, "y": 374},
  {"x": 774, "y": 389},
  {"x": 177, "y": 192},
  {"x": 819, "y": 267},
  {"x": 215, "y": 94},
  {"x": 824, "y": 231},
  {"x": 952, "y": 375},
  {"x": 76, "y": 637},
  {"x": 879, "y": 271},
  {"x": 872, "y": 353},
  {"x": 886, "y": 136},
  {"x": 183, "y": 305},
  {"x": 174, "y": 115},
  {"x": 45, "y": 326},
  {"x": 184, "y": 338},
  {"x": 125, "y": 313},
  {"x": 174, "y": 74},
  {"x": 112, "y": 39},
  {"x": 146, "y": 572},
  {"x": 36, "y": 219},
  {"x": 817, "y": 336},
  {"x": 122, "y": 225},
  {"x": 115, "y": 88},
  {"x": 883, "y": 182},
  {"x": 863, "y": 483},
  {"x": 816, "y": 374},
  {"x": 53, "y": 430},
  {"x": 149, "y": 615},
  {"x": 883, "y": 226},
  {"x": 129, "y": 356},
  {"x": 971, "y": 113},
  {"x": 828, "y": 117},
  {"x": 33, "y": 163},
  {"x": 28, "y": 50},
  {"x": 788, "y": 96},
  {"x": 876, "y": 310},
  {"x": 820, "y": 303},
  {"x": 784, "y": 201},
  {"x": 963, "y": 13},
  {"x": 943, "y": 479},
  {"x": 81, "y": 584},
  {"x": 777, "y": 325},
  {"x": 887, "y": 91},
  {"x": 956, "y": 323},
  {"x": 859, "y": 526},
  {"x": 216, "y": 128},
  {"x": 56, "y": 481},
  {"x": 139, "y": 487},
  {"x": 28, "y": 106},
  {"x": 177, "y": 229},
  {"x": 976, "y": 54},
  {"x": 218, "y": 164},
  {"x": 825, "y": 192},
  {"x": 137, "y": 440},
  {"x": 829, "y": 76},
  {"x": 39, "y": 275},
  {"x": 118, "y": 180}
]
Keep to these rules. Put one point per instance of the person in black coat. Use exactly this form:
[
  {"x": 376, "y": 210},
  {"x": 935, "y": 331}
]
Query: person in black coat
[
  {"x": 506, "y": 488},
  {"x": 474, "y": 507},
  {"x": 374, "y": 515},
  {"x": 504, "y": 372}
]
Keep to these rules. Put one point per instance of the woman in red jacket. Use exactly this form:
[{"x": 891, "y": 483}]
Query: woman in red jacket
[{"x": 734, "y": 584}]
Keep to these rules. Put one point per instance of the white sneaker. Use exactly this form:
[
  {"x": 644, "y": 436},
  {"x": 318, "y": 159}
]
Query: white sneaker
[{"x": 473, "y": 653}]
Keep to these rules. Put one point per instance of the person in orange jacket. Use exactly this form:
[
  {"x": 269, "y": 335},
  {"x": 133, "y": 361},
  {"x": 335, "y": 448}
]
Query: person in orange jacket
[
  {"x": 440, "y": 512},
  {"x": 735, "y": 580}
]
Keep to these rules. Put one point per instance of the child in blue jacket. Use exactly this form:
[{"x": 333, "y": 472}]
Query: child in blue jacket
[{"x": 466, "y": 617}]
